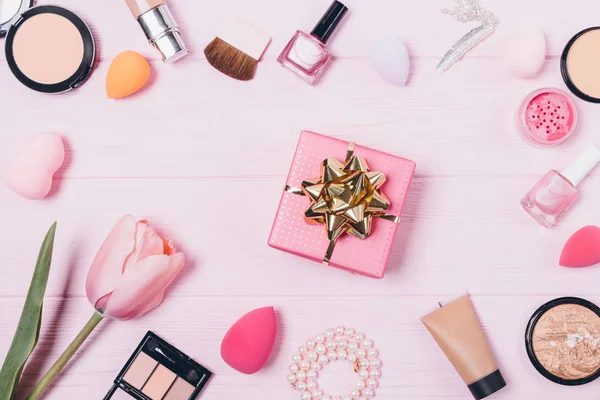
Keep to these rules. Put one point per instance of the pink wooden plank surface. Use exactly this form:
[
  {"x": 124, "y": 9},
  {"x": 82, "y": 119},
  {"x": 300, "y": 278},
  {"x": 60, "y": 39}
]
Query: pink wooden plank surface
[{"x": 196, "y": 150}]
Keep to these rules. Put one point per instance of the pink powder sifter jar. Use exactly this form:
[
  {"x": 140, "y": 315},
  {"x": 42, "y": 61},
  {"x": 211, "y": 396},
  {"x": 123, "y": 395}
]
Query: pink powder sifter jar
[{"x": 546, "y": 118}]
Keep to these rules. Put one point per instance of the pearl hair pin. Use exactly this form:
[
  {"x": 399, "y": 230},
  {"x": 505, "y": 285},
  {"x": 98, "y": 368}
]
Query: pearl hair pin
[{"x": 335, "y": 344}]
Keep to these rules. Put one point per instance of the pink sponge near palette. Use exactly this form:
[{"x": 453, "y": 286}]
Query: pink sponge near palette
[
  {"x": 248, "y": 343},
  {"x": 582, "y": 249}
]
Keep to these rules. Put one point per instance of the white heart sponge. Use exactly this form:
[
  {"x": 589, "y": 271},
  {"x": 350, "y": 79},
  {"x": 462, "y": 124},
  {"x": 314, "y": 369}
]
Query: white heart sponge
[
  {"x": 30, "y": 171},
  {"x": 525, "y": 53},
  {"x": 389, "y": 57}
]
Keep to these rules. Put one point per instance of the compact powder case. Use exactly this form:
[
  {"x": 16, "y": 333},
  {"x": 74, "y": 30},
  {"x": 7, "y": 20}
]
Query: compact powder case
[
  {"x": 158, "y": 371},
  {"x": 563, "y": 341},
  {"x": 580, "y": 65},
  {"x": 48, "y": 48}
]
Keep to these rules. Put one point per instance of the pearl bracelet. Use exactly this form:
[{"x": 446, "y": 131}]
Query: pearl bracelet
[{"x": 335, "y": 344}]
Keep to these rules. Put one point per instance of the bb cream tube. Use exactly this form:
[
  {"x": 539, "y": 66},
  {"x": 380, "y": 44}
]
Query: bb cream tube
[
  {"x": 457, "y": 330},
  {"x": 160, "y": 28}
]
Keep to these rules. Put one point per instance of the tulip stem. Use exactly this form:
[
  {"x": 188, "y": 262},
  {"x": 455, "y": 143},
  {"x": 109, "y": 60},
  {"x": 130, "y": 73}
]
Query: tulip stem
[{"x": 62, "y": 361}]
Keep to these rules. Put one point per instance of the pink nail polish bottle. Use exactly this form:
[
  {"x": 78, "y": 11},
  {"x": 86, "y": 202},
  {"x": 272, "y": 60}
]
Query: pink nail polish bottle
[
  {"x": 306, "y": 55},
  {"x": 548, "y": 200}
]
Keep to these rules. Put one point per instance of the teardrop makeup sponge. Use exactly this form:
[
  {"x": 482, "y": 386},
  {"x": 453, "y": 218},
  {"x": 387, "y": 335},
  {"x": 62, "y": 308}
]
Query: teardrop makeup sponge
[
  {"x": 582, "y": 249},
  {"x": 525, "y": 53},
  {"x": 127, "y": 74},
  {"x": 29, "y": 173},
  {"x": 389, "y": 57},
  {"x": 248, "y": 343}
]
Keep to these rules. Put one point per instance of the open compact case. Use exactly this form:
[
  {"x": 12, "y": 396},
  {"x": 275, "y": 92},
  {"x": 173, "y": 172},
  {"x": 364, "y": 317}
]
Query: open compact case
[
  {"x": 48, "y": 48},
  {"x": 159, "y": 371},
  {"x": 562, "y": 340},
  {"x": 579, "y": 64}
]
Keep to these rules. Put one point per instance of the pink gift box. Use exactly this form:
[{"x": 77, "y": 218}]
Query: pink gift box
[{"x": 291, "y": 233}]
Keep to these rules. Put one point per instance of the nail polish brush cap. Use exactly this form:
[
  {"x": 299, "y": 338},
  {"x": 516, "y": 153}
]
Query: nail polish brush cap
[
  {"x": 329, "y": 21},
  {"x": 582, "y": 166}
]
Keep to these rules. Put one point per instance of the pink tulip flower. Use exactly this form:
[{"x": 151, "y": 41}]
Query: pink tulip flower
[
  {"x": 132, "y": 270},
  {"x": 127, "y": 279}
]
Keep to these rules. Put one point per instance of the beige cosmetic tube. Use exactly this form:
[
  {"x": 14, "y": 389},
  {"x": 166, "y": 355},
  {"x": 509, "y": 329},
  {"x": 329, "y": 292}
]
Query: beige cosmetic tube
[
  {"x": 160, "y": 28},
  {"x": 457, "y": 330},
  {"x": 138, "y": 7}
]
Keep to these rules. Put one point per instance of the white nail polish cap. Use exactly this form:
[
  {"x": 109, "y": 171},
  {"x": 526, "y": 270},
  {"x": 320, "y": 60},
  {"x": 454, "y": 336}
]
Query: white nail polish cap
[{"x": 582, "y": 165}]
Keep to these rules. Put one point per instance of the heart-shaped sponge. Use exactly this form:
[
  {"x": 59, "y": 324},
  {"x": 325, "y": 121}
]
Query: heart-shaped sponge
[
  {"x": 582, "y": 249},
  {"x": 29, "y": 173},
  {"x": 248, "y": 343},
  {"x": 127, "y": 74}
]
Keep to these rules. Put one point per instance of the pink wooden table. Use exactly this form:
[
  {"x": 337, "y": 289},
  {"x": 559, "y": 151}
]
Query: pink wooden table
[{"x": 195, "y": 145}]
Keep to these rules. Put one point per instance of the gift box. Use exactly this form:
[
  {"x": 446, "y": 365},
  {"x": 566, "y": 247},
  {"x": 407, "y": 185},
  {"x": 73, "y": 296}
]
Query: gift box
[{"x": 341, "y": 204}]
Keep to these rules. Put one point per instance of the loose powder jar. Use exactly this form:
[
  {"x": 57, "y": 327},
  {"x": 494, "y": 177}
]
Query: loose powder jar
[
  {"x": 48, "y": 48},
  {"x": 580, "y": 64},
  {"x": 546, "y": 118},
  {"x": 563, "y": 341}
]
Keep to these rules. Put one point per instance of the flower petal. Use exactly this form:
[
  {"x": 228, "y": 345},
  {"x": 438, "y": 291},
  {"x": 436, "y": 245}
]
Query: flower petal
[
  {"x": 143, "y": 285},
  {"x": 147, "y": 243},
  {"x": 152, "y": 305},
  {"x": 107, "y": 267},
  {"x": 169, "y": 248}
]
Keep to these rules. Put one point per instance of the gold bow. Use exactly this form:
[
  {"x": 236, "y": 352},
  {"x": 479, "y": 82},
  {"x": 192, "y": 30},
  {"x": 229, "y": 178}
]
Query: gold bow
[{"x": 345, "y": 198}]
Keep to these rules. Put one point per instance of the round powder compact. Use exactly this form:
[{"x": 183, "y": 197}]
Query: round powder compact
[
  {"x": 546, "y": 118},
  {"x": 50, "y": 49},
  {"x": 563, "y": 341},
  {"x": 580, "y": 64}
]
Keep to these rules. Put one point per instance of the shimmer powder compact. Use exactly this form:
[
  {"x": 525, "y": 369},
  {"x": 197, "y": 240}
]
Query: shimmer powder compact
[
  {"x": 48, "y": 48},
  {"x": 580, "y": 64},
  {"x": 563, "y": 341},
  {"x": 158, "y": 371}
]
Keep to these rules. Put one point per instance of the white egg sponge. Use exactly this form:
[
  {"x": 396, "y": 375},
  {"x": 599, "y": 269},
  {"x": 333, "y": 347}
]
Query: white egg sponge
[{"x": 389, "y": 57}]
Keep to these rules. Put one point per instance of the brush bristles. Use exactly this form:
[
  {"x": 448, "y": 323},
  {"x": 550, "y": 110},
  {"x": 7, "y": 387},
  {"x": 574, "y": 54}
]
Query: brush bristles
[{"x": 229, "y": 60}]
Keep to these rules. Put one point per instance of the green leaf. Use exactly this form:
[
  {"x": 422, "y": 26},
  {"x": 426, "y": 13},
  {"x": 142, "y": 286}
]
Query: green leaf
[{"x": 28, "y": 330}]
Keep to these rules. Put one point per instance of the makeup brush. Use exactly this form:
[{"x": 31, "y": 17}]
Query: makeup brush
[{"x": 237, "y": 49}]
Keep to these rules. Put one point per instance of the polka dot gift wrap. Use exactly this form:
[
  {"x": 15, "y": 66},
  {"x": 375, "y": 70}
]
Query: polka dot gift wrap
[{"x": 291, "y": 233}]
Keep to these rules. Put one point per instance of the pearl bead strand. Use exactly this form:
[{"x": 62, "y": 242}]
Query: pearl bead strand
[{"x": 339, "y": 343}]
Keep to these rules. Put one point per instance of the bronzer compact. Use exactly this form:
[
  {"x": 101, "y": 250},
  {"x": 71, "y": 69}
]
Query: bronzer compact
[
  {"x": 48, "y": 48},
  {"x": 563, "y": 341},
  {"x": 158, "y": 371}
]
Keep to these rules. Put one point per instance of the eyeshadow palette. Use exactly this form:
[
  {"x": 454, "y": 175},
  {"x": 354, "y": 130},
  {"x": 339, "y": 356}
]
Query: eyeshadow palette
[{"x": 158, "y": 371}]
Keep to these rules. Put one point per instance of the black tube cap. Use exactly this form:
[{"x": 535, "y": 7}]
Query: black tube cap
[
  {"x": 488, "y": 385},
  {"x": 329, "y": 21}
]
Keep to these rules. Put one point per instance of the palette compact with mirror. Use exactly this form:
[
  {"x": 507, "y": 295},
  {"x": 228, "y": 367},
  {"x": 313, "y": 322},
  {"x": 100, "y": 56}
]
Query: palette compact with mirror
[
  {"x": 48, "y": 48},
  {"x": 158, "y": 371}
]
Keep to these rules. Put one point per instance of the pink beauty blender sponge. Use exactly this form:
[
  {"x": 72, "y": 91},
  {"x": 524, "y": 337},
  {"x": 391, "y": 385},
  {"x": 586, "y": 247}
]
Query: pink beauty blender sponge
[
  {"x": 29, "y": 173},
  {"x": 525, "y": 53},
  {"x": 248, "y": 343},
  {"x": 582, "y": 249}
]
